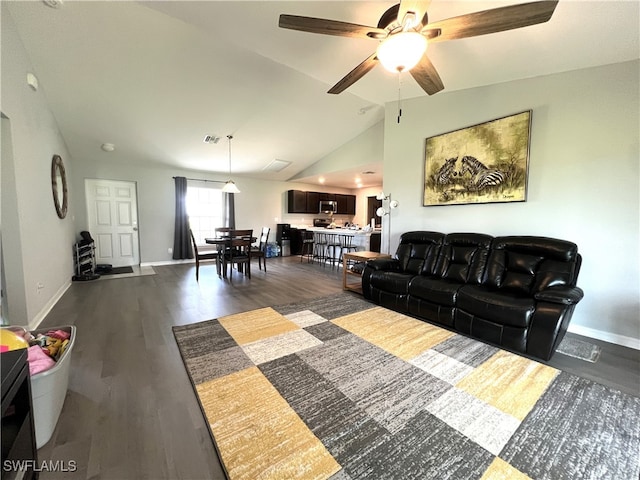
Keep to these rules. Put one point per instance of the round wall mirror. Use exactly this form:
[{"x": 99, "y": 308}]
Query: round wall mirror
[{"x": 59, "y": 186}]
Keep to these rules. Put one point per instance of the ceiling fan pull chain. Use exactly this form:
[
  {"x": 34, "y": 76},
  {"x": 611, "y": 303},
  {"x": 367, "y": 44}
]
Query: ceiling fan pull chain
[{"x": 399, "y": 96}]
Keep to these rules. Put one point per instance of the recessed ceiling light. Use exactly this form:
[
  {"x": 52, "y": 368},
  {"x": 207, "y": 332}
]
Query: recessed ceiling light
[
  {"x": 321, "y": 179},
  {"x": 108, "y": 147}
]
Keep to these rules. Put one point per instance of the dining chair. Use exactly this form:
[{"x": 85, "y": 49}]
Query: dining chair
[
  {"x": 222, "y": 232},
  {"x": 201, "y": 255},
  {"x": 260, "y": 251},
  {"x": 238, "y": 252}
]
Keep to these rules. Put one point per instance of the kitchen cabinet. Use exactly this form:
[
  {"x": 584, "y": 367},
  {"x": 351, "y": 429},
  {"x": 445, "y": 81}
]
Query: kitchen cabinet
[
  {"x": 309, "y": 202},
  {"x": 297, "y": 200},
  {"x": 313, "y": 202},
  {"x": 327, "y": 197},
  {"x": 346, "y": 204}
]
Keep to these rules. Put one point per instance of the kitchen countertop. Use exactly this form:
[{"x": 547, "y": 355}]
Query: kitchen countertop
[{"x": 342, "y": 231}]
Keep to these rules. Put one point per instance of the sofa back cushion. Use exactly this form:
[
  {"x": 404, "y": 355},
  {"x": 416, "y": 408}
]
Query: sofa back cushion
[
  {"x": 418, "y": 251},
  {"x": 526, "y": 265},
  {"x": 463, "y": 257}
]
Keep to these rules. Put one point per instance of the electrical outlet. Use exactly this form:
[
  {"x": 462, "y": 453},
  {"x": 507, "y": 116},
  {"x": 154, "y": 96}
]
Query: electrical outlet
[
  {"x": 170, "y": 250},
  {"x": 39, "y": 286}
]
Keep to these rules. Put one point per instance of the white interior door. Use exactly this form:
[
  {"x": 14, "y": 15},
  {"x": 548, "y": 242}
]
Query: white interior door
[{"x": 112, "y": 211}]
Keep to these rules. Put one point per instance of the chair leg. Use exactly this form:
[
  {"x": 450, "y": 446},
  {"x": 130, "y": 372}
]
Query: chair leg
[{"x": 197, "y": 270}]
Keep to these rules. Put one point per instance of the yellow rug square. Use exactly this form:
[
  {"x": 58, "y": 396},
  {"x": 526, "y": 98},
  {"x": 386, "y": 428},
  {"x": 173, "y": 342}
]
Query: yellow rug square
[
  {"x": 255, "y": 325},
  {"x": 509, "y": 382},
  {"x": 258, "y": 434},
  {"x": 398, "y": 334},
  {"x": 501, "y": 470}
]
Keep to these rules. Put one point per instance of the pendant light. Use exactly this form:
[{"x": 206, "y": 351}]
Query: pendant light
[{"x": 230, "y": 186}]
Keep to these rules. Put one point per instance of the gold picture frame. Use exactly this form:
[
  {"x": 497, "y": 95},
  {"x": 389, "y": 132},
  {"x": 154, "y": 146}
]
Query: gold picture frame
[{"x": 483, "y": 163}]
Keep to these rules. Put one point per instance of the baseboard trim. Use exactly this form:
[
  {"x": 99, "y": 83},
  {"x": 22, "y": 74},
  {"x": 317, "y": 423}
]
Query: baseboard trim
[
  {"x": 167, "y": 262},
  {"x": 623, "y": 340},
  {"x": 37, "y": 320}
]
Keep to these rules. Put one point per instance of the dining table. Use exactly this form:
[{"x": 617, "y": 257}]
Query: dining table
[{"x": 228, "y": 242}]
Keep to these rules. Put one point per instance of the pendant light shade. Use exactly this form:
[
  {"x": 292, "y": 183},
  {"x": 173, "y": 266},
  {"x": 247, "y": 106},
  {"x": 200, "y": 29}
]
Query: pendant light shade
[
  {"x": 402, "y": 51},
  {"x": 230, "y": 186}
]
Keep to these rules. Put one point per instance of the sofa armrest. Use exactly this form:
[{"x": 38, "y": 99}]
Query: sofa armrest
[
  {"x": 560, "y": 294},
  {"x": 375, "y": 265},
  {"x": 385, "y": 264}
]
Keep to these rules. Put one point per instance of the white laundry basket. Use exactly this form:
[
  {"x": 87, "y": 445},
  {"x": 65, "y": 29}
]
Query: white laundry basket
[{"x": 49, "y": 388}]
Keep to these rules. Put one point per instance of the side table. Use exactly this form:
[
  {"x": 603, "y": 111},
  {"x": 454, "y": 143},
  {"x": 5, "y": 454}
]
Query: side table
[{"x": 358, "y": 257}]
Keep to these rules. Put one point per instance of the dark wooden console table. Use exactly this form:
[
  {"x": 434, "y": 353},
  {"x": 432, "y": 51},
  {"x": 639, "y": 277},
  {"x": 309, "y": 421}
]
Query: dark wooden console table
[{"x": 19, "y": 453}]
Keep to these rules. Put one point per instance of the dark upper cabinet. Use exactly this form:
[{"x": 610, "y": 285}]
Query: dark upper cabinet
[
  {"x": 346, "y": 204},
  {"x": 309, "y": 202},
  {"x": 324, "y": 197},
  {"x": 313, "y": 202},
  {"x": 297, "y": 201}
]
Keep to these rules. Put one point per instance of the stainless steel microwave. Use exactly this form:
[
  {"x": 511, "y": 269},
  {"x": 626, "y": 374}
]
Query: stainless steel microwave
[{"x": 328, "y": 206}]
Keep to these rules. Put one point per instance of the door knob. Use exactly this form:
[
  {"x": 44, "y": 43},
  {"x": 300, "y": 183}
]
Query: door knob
[{"x": 135, "y": 229}]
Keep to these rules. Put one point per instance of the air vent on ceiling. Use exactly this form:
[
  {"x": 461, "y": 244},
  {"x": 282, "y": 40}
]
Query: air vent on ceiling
[
  {"x": 211, "y": 139},
  {"x": 276, "y": 166}
]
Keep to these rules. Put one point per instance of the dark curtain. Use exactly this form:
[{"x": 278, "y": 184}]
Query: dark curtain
[
  {"x": 229, "y": 210},
  {"x": 181, "y": 237}
]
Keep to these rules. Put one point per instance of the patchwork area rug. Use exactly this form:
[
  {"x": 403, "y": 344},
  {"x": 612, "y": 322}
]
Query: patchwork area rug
[{"x": 340, "y": 388}]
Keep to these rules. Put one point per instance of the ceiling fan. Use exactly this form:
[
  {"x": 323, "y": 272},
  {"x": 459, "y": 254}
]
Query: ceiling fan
[{"x": 404, "y": 32}]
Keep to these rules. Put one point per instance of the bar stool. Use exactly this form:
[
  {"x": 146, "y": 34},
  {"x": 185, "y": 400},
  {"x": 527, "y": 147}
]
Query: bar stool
[
  {"x": 346, "y": 245},
  {"x": 307, "y": 246},
  {"x": 332, "y": 249},
  {"x": 319, "y": 246}
]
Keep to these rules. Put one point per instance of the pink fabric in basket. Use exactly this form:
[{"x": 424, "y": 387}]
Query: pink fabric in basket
[{"x": 38, "y": 360}]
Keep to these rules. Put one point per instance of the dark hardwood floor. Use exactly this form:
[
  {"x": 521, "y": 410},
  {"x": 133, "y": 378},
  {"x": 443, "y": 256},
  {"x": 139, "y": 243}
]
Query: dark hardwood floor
[{"x": 130, "y": 411}]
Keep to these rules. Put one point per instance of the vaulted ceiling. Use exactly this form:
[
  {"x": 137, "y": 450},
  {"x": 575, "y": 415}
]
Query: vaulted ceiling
[{"x": 154, "y": 78}]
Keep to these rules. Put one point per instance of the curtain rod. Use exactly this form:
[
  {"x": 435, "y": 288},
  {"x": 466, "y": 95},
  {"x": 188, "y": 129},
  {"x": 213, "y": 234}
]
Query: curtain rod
[{"x": 202, "y": 180}]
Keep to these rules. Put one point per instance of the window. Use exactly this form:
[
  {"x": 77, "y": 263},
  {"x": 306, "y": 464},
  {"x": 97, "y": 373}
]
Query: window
[{"x": 204, "y": 207}]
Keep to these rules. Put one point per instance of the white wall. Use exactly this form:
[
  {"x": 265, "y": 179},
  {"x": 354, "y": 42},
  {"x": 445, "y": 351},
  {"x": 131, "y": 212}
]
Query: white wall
[
  {"x": 365, "y": 149},
  {"x": 37, "y": 245},
  {"x": 583, "y": 179}
]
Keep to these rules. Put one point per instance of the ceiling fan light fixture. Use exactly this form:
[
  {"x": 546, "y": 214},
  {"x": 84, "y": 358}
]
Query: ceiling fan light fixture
[{"x": 401, "y": 51}]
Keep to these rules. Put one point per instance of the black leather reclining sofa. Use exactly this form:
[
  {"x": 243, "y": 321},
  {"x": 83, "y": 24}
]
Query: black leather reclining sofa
[{"x": 518, "y": 292}]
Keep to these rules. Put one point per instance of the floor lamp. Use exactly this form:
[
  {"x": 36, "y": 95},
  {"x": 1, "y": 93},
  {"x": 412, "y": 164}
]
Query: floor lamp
[{"x": 385, "y": 211}]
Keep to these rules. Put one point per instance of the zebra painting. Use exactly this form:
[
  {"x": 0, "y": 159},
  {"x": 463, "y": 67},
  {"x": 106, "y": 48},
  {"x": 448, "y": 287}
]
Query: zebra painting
[
  {"x": 443, "y": 176},
  {"x": 481, "y": 176}
]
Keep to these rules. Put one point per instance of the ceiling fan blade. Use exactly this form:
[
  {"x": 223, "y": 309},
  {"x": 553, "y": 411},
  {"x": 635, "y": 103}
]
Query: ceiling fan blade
[
  {"x": 426, "y": 75},
  {"x": 418, "y": 7},
  {"x": 354, "y": 75},
  {"x": 492, "y": 21},
  {"x": 330, "y": 27}
]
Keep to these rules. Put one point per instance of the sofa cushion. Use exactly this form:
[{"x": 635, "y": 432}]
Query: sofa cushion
[
  {"x": 418, "y": 251},
  {"x": 435, "y": 290},
  {"x": 499, "y": 306},
  {"x": 463, "y": 257},
  {"x": 391, "y": 282}
]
